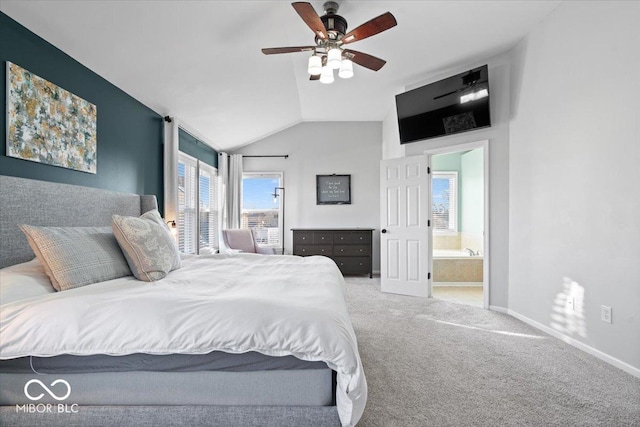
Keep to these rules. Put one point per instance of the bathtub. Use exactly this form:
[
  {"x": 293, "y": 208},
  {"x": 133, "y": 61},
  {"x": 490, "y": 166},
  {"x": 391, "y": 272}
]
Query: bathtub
[
  {"x": 452, "y": 253},
  {"x": 456, "y": 268}
]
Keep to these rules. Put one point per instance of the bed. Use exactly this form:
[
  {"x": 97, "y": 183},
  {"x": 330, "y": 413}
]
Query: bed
[{"x": 224, "y": 340}]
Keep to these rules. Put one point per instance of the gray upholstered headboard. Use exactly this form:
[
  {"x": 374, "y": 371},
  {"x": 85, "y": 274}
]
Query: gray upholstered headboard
[{"x": 27, "y": 201}]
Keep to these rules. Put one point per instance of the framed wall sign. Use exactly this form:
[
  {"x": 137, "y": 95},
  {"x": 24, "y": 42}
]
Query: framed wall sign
[{"x": 333, "y": 189}]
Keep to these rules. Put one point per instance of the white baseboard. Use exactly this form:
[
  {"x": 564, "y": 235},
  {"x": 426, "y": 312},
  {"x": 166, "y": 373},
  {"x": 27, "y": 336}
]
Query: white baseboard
[
  {"x": 498, "y": 309},
  {"x": 572, "y": 341},
  {"x": 478, "y": 284}
]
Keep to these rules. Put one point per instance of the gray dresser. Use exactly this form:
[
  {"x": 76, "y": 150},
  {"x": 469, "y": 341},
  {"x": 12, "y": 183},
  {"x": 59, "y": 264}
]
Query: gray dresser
[{"x": 350, "y": 248}]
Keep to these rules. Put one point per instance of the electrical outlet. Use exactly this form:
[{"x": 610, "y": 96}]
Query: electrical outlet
[
  {"x": 571, "y": 303},
  {"x": 605, "y": 314}
]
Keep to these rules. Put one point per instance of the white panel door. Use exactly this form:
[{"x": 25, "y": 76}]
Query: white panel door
[{"x": 404, "y": 217}]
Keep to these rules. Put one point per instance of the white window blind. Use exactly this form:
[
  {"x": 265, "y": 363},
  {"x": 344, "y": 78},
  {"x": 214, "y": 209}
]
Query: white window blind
[
  {"x": 187, "y": 204},
  {"x": 209, "y": 213},
  {"x": 444, "y": 198},
  {"x": 198, "y": 206}
]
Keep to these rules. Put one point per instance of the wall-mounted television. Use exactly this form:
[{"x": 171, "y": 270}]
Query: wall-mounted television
[{"x": 456, "y": 104}]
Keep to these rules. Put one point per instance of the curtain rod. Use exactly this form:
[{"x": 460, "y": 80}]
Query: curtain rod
[{"x": 284, "y": 156}]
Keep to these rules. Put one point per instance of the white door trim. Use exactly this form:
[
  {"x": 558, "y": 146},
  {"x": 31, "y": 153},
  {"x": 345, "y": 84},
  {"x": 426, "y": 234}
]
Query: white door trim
[{"x": 452, "y": 148}]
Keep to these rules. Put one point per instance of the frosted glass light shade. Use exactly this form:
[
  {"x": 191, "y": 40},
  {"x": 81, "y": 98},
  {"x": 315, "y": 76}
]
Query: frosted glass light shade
[
  {"x": 346, "y": 69},
  {"x": 334, "y": 58},
  {"x": 315, "y": 65},
  {"x": 326, "y": 76}
]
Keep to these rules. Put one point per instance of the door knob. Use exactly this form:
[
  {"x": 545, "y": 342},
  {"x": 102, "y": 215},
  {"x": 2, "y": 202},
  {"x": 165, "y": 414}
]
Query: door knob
[{"x": 384, "y": 230}]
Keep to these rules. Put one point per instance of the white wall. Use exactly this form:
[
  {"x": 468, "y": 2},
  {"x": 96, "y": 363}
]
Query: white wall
[
  {"x": 391, "y": 147},
  {"x": 575, "y": 176},
  {"x": 319, "y": 148},
  {"x": 498, "y": 136}
]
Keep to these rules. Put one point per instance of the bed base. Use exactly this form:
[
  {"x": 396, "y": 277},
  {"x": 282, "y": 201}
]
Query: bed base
[{"x": 154, "y": 416}]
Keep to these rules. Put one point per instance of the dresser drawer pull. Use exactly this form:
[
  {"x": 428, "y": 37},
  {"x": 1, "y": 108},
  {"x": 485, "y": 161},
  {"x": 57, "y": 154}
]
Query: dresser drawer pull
[
  {"x": 341, "y": 250},
  {"x": 304, "y": 238},
  {"x": 360, "y": 249},
  {"x": 304, "y": 250}
]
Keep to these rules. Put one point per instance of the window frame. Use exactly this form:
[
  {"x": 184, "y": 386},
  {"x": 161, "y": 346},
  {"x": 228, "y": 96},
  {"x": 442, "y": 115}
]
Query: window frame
[
  {"x": 280, "y": 176},
  {"x": 214, "y": 208},
  {"x": 199, "y": 166},
  {"x": 453, "y": 201}
]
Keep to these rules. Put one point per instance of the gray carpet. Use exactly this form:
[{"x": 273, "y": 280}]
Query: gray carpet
[{"x": 436, "y": 363}]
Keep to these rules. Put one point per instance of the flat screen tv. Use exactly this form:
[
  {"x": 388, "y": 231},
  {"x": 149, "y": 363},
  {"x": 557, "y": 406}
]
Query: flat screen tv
[{"x": 457, "y": 104}]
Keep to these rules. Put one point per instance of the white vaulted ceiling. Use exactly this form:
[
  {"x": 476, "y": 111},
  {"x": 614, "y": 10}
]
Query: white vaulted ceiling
[{"x": 201, "y": 60}]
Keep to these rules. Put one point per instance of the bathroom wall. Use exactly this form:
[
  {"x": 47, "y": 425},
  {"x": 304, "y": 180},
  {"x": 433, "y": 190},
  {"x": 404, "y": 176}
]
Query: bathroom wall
[{"x": 472, "y": 199}]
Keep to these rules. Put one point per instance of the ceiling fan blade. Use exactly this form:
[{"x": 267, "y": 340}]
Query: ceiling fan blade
[
  {"x": 366, "y": 60},
  {"x": 274, "y": 50},
  {"x": 312, "y": 77},
  {"x": 311, "y": 18},
  {"x": 370, "y": 28}
]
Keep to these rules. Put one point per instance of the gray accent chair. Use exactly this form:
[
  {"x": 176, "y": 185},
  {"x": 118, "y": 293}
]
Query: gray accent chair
[{"x": 242, "y": 240}]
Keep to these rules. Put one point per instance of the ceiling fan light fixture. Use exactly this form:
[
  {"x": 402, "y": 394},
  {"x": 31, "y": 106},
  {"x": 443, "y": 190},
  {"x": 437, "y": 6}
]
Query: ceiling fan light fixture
[
  {"x": 326, "y": 76},
  {"x": 334, "y": 58},
  {"x": 346, "y": 69},
  {"x": 315, "y": 65}
]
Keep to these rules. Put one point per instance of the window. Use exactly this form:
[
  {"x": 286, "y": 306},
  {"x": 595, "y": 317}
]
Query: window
[
  {"x": 261, "y": 211},
  {"x": 198, "y": 207},
  {"x": 444, "y": 202},
  {"x": 209, "y": 211}
]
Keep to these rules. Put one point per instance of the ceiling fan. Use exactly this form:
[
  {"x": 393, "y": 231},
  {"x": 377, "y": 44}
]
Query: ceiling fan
[{"x": 331, "y": 37}]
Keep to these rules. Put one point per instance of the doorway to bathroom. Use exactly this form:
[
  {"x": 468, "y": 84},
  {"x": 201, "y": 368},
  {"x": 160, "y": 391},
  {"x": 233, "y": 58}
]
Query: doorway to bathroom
[{"x": 459, "y": 228}]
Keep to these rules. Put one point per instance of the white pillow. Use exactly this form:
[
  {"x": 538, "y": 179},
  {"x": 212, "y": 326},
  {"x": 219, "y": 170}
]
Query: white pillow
[
  {"x": 148, "y": 245},
  {"x": 22, "y": 281}
]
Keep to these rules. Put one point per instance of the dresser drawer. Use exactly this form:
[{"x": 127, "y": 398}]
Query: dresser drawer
[
  {"x": 353, "y": 264},
  {"x": 303, "y": 237},
  {"x": 306, "y": 250},
  {"x": 363, "y": 237},
  {"x": 351, "y": 250},
  {"x": 321, "y": 237},
  {"x": 342, "y": 237}
]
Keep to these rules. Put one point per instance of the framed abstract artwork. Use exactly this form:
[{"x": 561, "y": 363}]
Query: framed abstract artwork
[{"x": 48, "y": 124}]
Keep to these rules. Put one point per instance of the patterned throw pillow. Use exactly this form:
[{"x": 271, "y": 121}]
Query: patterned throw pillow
[
  {"x": 148, "y": 245},
  {"x": 77, "y": 256}
]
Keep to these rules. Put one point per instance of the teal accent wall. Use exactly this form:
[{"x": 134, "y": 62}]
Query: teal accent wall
[
  {"x": 129, "y": 134},
  {"x": 192, "y": 146}
]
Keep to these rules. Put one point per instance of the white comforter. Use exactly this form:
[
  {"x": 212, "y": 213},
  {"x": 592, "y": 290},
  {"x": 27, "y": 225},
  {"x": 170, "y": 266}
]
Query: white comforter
[{"x": 276, "y": 305}]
